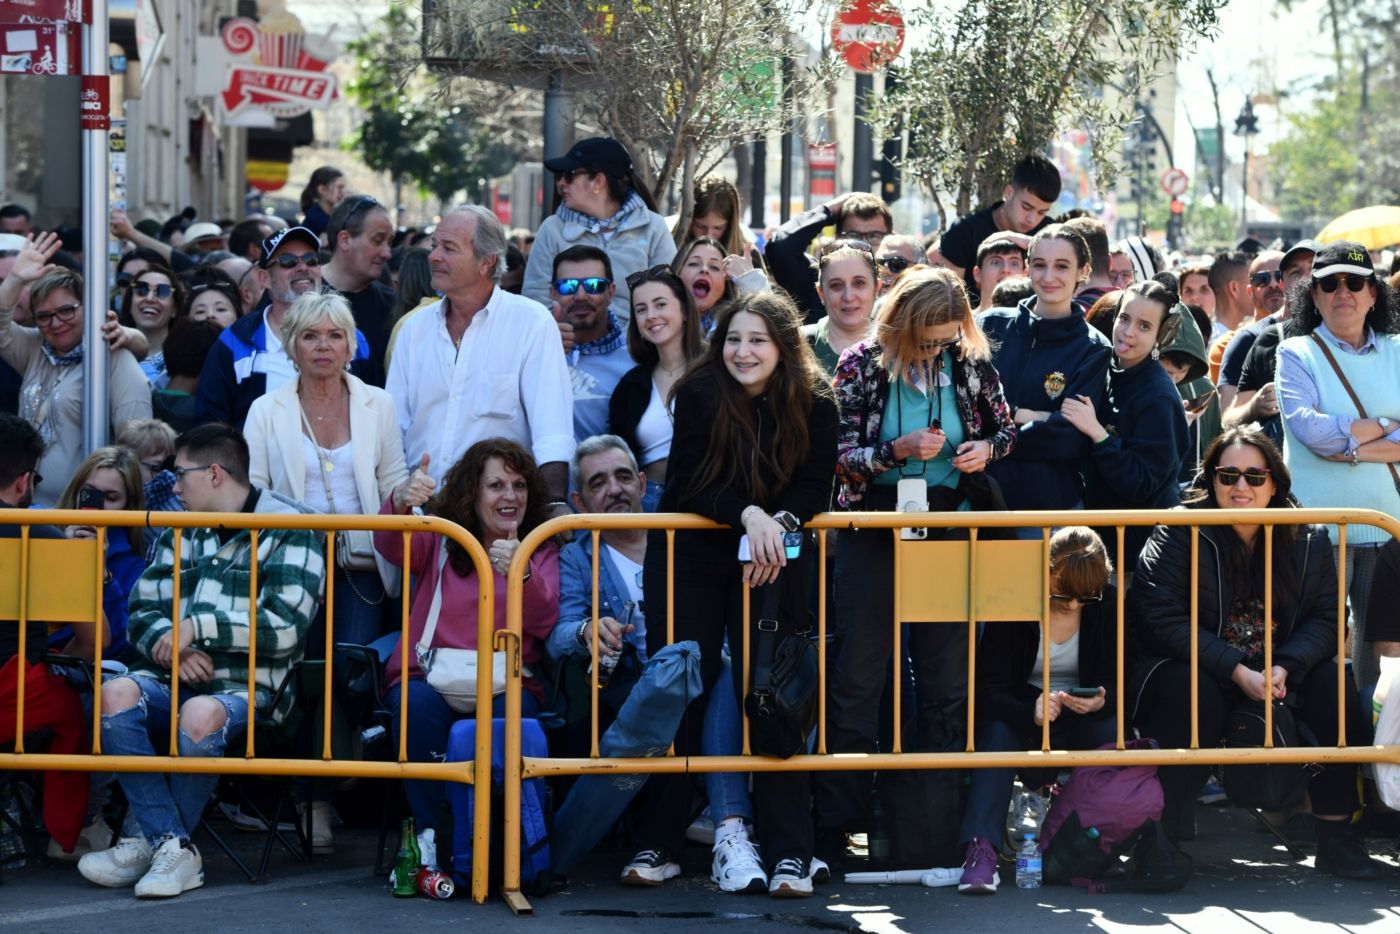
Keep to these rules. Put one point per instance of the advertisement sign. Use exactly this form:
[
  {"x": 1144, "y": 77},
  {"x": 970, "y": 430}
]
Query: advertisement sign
[
  {"x": 39, "y": 49},
  {"x": 71, "y": 11},
  {"x": 821, "y": 171},
  {"x": 270, "y": 69}
]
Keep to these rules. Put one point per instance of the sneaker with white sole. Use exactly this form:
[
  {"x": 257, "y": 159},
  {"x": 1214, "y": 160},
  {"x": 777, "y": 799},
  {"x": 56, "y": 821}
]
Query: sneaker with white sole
[
  {"x": 736, "y": 867},
  {"x": 821, "y": 872},
  {"x": 979, "y": 872},
  {"x": 792, "y": 878},
  {"x": 701, "y": 830},
  {"x": 96, "y": 837},
  {"x": 649, "y": 868},
  {"x": 176, "y": 867},
  {"x": 118, "y": 866}
]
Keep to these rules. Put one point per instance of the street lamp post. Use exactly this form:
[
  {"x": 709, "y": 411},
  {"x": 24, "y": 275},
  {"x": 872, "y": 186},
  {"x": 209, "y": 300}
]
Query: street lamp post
[{"x": 1246, "y": 125}]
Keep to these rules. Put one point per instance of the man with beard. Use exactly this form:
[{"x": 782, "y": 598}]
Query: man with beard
[
  {"x": 249, "y": 359},
  {"x": 595, "y": 341},
  {"x": 358, "y": 234}
]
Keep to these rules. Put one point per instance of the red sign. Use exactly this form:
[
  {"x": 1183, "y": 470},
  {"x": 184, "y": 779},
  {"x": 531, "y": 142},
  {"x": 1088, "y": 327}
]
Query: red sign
[
  {"x": 1175, "y": 181},
  {"x": 276, "y": 73},
  {"x": 39, "y": 49},
  {"x": 95, "y": 103},
  {"x": 72, "y": 11},
  {"x": 868, "y": 34},
  {"x": 821, "y": 171}
]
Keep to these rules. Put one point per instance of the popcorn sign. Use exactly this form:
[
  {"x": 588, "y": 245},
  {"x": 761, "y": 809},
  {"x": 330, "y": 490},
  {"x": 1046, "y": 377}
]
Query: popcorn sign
[{"x": 271, "y": 69}]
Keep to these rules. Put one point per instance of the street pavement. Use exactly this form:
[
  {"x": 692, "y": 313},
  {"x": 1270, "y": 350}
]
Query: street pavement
[{"x": 1245, "y": 883}]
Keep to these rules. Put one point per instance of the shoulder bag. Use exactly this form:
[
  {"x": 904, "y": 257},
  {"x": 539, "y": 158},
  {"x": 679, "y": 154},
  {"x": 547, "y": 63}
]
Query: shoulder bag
[
  {"x": 1346, "y": 384},
  {"x": 354, "y": 548},
  {"x": 452, "y": 672},
  {"x": 782, "y": 699}
]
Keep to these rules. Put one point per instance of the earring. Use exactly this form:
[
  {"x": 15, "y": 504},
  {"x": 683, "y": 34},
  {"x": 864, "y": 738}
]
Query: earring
[
  {"x": 296, "y": 367},
  {"x": 347, "y": 366},
  {"x": 1156, "y": 352}
]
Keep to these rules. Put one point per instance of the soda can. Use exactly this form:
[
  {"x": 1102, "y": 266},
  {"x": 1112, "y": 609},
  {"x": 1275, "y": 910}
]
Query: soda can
[{"x": 435, "y": 883}]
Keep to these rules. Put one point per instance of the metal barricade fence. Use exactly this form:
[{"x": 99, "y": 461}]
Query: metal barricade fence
[
  {"x": 976, "y": 581},
  {"x": 53, "y": 589}
]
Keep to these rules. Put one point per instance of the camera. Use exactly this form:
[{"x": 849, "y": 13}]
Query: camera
[{"x": 911, "y": 495}]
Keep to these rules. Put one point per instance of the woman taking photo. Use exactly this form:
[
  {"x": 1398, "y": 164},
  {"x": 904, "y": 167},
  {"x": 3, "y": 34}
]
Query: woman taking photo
[
  {"x": 663, "y": 336},
  {"x": 754, "y": 448},
  {"x": 149, "y": 306},
  {"x": 847, "y": 281},
  {"x": 1012, "y": 703},
  {"x": 1243, "y": 470},
  {"x": 319, "y": 198},
  {"x": 919, "y": 400},
  {"x": 497, "y": 494},
  {"x": 49, "y": 358},
  {"x": 1138, "y": 447},
  {"x": 603, "y": 203},
  {"x": 1047, "y": 354}
]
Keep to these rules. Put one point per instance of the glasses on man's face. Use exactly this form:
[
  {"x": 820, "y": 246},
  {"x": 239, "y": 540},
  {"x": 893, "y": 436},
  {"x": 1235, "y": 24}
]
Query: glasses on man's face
[
  {"x": 180, "y": 472},
  {"x": 290, "y": 260},
  {"x": 1065, "y": 598},
  {"x": 895, "y": 264},
  {"x": 869, "y": 236},
  {"x": 1332, "y": 283},
  {"x": 162, "y": 290},
  {"x": 43, "y": 319},
  {"x": 1261, "y": 279},
  {"x": 593, "y": 285},
  {"x": 654, "y": 274},
  {"x": 1229, "y": 476}
]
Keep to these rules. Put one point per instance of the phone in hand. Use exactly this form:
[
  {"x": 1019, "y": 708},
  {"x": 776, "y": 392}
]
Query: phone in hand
[
  {"x": 1199, "y": 403},
  {"x": 1082, "y": 692},
  {"x": 792, "y": 546},
  {"x": 90, "y": 497}
]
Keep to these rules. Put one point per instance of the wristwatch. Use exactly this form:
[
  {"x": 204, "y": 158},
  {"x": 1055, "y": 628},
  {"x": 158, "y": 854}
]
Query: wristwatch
[
  {"x": 787, "y": 520},
  {"x": 1385, "y": 423},
  {"x": 1355, "y": 456}
]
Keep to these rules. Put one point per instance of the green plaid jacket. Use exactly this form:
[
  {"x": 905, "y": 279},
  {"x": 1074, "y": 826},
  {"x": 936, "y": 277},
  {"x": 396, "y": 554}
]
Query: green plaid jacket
[{"x": 214, "y": 595}]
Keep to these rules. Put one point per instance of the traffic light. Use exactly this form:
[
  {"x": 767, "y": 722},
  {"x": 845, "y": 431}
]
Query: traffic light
[{"x": 890, "y": 186}]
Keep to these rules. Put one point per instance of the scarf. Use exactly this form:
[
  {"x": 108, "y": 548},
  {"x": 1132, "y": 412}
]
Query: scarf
[
  {"x": 608, "y": 227},
  {"x": 71, "y": 358}
]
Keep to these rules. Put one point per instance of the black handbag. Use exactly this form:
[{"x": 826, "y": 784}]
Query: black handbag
[
  {"x": 782, "y": 701},
  {"x": 1273, "y": 787}
]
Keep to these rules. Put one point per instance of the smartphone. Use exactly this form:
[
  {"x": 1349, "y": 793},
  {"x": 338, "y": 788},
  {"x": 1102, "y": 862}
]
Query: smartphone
[
  {"x": 1200, "y": 402},
  {"x": 90, "y": 497},
  {"x": 1083, "y": 692},
  {"x": 792, "y": 546}
]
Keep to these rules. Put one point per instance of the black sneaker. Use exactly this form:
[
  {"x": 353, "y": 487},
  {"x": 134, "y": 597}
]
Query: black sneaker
[
  {"x": 1343, "y": 854},
  {"x": 649, "y": 868}
]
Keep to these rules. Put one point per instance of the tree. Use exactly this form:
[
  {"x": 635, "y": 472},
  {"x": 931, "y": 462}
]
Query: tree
[{"x": 996, "y": 79}]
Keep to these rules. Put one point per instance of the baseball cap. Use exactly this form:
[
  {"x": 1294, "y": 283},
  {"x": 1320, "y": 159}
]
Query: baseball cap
[
  {"x": 1345, "y": 257},
  {"x": 203, "y": 231},
  {"x": 596, "y": 154},
  {"x": 11, "y": 243},
  {"x": 301, "y": 234},
  {"x": 1302, "y": 246}
]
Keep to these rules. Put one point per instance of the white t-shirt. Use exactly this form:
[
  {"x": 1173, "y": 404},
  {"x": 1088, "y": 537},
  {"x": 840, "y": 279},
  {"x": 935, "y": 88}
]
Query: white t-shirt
[
  {"x": 631, "y": 574},
  {"x": 1064, "y": 664},
  {"x": 276, "y": 365}
]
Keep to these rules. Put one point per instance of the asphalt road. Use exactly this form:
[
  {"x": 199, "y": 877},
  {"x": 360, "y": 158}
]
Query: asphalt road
[{"x": 1244, "y": 884}]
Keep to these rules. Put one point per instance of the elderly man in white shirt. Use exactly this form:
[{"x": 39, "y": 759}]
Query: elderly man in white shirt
[{"x": 481, "y": 362}]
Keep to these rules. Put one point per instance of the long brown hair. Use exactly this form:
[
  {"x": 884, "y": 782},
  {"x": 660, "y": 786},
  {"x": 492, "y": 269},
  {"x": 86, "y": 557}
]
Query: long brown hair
[
  {"x": 692, "y": 342},
  {"x": 715, "y": 194},
  {"x": 734, "y": 441},
  {"x": 728, "y": 291},
  {"x": 456, "y": 502}
]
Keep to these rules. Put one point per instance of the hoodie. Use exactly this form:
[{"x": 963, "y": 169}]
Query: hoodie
[
  {"x": 1202, "y": 431},
  {"x": 1043, "y": 361}
]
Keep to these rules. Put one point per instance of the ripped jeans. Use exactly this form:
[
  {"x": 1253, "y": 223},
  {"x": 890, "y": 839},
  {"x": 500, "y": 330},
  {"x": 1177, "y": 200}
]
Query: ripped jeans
[{"x": 167, "y": 805}]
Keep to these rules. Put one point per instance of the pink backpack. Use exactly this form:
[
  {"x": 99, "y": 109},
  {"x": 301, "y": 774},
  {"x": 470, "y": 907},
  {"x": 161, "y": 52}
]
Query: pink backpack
[{"x": 1115, "y": 800}]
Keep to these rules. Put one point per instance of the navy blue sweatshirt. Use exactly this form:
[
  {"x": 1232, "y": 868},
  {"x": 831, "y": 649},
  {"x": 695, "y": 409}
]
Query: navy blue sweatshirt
[
  {"x": 1137, "y": 466},
  {"x": 1042, "y": 362}
]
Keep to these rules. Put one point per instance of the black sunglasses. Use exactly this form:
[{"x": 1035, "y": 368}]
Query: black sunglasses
[
  {"x": 1332, "y": 283},
  {"x": 895, "y": 264},
  {"x": 1066, "y": 598},
  {"x": 364, "y": 201},
  {"x": 568, "y": 177},
  {"x": 1229, "y": 476},
  {"x": 124, "y": 279},
  {"x": 655, "y": 273},
  {"x": 593, "y": 285},
  {"x": 162, "y": 290},
  {"x": 290, "y": 260},
  {"x": 1261, "y": 279},
  {"x": 848, "y": 243}
]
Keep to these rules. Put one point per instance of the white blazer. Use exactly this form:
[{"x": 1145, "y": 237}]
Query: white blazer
[{"x": 277, "y": 459}]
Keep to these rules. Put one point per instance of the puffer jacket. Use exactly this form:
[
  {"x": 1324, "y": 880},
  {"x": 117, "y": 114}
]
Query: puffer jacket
[{"x": 1159, "y": 608}]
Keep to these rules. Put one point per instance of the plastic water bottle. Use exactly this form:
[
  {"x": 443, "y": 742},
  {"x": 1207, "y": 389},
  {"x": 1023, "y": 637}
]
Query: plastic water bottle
[{"x": 1028, "y": 864}]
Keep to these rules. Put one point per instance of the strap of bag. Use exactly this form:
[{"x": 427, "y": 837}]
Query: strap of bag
[
  {"x": 1346, "y": 384},
  {"x": 322, "y": 455},
  {"x": 765, "y": 642},
  {"x": 435, "y": 608}
]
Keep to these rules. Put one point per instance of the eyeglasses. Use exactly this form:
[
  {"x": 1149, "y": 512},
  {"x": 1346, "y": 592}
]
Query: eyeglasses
[
  {"x": 869, "y": 236},
  {"x": 124, "y": 279},
  {"x": 163, "y": 290},
  {"x": 363, "y": 201},
  {"x": 43, "y": 319},
  {"x": 1066, "y": 598},
  {"x": 568, "y": 177},
  {"x": 38, "y": 478},
  {"x": 1332, "y": 283},
  {"x": 290, "y": 260},
  {"x": 895, "y": 264},
  {"x": 1261, "y": 279},
  {"x": 655, "y": 273},
  {"x": 937, "y": 347},
  {"x": 593, "y": 285},
  {"x": 1229, "y": 476},
  {"x": 180, "y": 472}
]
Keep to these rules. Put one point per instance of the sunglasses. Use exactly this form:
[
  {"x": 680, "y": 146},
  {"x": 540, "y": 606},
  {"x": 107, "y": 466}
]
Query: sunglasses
[
  {"x": 1332, "y": 283},
  {"x": 593, "y": 285},
  {"x": 568, "y": 177},
  {"x": 290, "y": 260},
  {"x": 38, "y": 478},
  {"x": 937, "y": 347},
  {"x": 1229, "y": 476},
  {"x": 43, "y": 319},
  {"x": 124, "y": 279},
  {"x": 848, "y": 243},
  {"x": 654, "y": 274},
  {"x": 1066, "y": 598},
  {"x": 163, "y": 291},
  {"x": 895, "y": 264},
  {"x": 363, "y": 202},
  {"x": 1261, "y": 279}
]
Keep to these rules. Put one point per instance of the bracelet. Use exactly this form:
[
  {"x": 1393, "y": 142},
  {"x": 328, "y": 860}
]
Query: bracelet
[
  {"x": 557, "y": 502},
  {"x": 582, "y": 628},
  {"x": 744, "y": 516}
]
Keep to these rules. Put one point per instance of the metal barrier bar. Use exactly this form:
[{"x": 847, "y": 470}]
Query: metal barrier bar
[
  {"x": 596, "y": 539},
  {"x": 1195, "y": 639},
  {"x": 100, "y": 629},
  {"x": 1119, "y": 660},
  {"x": 821, "y": 640},
  {"x": 897, "y": 654},
  {"x": 175, "y": 651},
  {"x": 22, "y": 648},
  {"x": 1045, "y": 636},
  {"x": 1268, "y": 536},
  {"x": 1341, "y": 634},
  {"x": 971, "y": 637},
  {"x": 327, "y": 674},
  {"x": 251, "y": 730},
  {"x": 403, "y": 652}
]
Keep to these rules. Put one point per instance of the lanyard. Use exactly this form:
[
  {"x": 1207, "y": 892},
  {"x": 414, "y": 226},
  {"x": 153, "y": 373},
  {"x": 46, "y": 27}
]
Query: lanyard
[{"x": 935, "y": 410}]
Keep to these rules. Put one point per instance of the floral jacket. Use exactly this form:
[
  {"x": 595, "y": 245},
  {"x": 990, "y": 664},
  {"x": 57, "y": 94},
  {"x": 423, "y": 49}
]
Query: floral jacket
[{"x": 862, "y": 389}]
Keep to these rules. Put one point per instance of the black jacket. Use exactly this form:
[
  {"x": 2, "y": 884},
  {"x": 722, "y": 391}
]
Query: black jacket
[
  {"x": 628, "y": 402},
  {"x": 788, "y": 265},
  {"x": 1159, "y": 607},
  {"x": 1006, "y": 663}
]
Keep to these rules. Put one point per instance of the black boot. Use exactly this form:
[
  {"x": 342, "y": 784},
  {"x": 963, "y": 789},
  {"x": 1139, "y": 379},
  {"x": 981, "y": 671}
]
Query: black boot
[{"x": 1341, "y": 852}]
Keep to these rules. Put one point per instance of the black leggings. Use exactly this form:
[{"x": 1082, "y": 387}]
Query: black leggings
[{"x": 1164, "y": 713}]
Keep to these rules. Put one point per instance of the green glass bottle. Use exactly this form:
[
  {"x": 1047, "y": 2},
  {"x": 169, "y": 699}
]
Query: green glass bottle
[{"x": 406, "y": 863}]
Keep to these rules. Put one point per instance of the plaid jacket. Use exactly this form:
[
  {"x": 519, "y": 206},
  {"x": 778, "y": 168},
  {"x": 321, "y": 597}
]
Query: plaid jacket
[
  {"x": 862, "y": 388},
  {"x": 214, "y": 584}
]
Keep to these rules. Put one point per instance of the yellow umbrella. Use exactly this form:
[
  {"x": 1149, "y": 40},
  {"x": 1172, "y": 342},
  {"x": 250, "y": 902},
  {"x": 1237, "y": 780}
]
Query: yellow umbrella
[{"x": 1374, "y": 228}]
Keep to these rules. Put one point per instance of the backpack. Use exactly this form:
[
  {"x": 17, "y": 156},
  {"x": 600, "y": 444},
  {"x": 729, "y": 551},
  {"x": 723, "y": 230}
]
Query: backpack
[{"x": 1270, "y": 787}]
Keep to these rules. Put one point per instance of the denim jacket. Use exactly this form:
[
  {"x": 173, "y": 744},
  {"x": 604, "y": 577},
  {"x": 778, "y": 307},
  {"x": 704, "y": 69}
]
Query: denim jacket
[{"x": 576, "y": 600}]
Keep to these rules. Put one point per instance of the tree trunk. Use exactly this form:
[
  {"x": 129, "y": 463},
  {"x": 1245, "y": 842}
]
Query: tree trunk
[
  {"x": 1217, "y": 184},
  {"x": 743, "y": 171}
]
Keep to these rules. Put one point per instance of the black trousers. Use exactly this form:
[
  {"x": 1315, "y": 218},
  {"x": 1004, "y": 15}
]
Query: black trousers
[
  {"x": 1164, "y": 714},
  {"x": 709, "y": 607},
  {"x": 935, "y": 717}
]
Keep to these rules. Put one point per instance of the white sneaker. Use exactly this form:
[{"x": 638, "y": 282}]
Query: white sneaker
[
  {"x": 247, "y": 822},
  {"x": 118, "y": 866},
  {"x": 701, "y": 830},
  {"x": 736, "y": 867},
  {"x": 322, "y": 836},
  {"x": 791, "y": 879},
  {"x": 96, "y": 837},
  {"x": 175, "y": 868}
]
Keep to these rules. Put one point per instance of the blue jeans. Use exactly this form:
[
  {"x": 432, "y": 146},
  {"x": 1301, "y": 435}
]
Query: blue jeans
[
  {"x": 167, "y": 805},
  {"x": 430, "y": 720},
  {"x": 652, "y": 497},
  {"x": 723, "y": 735}
]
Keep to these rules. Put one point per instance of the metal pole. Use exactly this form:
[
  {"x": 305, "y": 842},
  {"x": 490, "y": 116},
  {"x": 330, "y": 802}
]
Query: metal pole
[
  {"x": 861, "y": 140},
  {"x": 1244, "y": 193},
  {"x": 96, "y": 421},
  {"x": 558, "y": 125},
  {"x": 785, "y": 171}
]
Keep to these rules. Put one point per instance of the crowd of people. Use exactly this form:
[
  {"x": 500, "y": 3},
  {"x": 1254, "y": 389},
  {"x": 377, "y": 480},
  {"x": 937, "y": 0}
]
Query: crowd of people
[{"x": 616, "y": 361}]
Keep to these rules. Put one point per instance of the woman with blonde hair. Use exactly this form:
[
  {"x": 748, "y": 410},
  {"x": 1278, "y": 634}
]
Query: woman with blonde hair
[{"x": 919, "y": 401}]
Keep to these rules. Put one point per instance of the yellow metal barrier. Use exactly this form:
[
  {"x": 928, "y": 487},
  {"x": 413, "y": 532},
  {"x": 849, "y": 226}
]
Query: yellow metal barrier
[
  {"x": 990, "y": 581},
  {"x": 37, "y": 582}
]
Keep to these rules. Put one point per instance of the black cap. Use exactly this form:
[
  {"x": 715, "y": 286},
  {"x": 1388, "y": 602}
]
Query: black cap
[
  {"x": 1344, "y": 257},
  {"x": 1302, "y": 246},
  {"x": 270, "y": 245},
  {"x": 596, "y": 154}
]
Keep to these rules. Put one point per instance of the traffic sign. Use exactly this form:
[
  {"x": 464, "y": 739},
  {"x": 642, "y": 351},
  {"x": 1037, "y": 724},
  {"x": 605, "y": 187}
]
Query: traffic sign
[
  {"x": 868, "y": 34},
  {"x": 1174, "y": 181}
]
